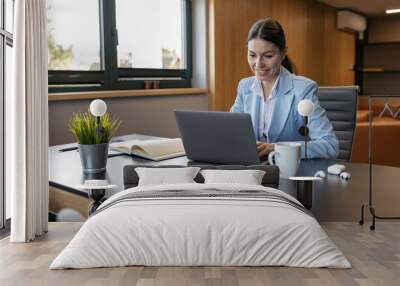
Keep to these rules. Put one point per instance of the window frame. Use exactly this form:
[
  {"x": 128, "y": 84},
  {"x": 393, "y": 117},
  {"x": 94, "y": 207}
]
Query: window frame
[{"x": 114, "y": 78}]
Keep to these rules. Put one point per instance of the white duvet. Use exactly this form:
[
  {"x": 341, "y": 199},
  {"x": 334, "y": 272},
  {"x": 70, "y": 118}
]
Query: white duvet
[{"x": 200, "y": 231}]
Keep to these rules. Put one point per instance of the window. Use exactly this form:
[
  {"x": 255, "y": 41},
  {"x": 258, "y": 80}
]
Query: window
[
  {"x": 73, "y": 42},
  {"x": 6, "y": 42},
  {"x": 159, "y": 46},
  {"x": 118, "y": 44}
]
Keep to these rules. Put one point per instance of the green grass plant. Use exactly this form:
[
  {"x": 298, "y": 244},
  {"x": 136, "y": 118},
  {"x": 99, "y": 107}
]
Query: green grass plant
[{"x": 84, "y": 128}]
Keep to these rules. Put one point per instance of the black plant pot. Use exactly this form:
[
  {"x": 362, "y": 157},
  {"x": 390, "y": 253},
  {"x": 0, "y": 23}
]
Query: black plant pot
[{"x": 93, "y": 157}]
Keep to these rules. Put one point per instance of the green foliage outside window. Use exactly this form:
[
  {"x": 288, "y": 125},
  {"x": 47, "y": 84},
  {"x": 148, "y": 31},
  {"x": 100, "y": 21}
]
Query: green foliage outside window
[{"x": 59, "y": 57}]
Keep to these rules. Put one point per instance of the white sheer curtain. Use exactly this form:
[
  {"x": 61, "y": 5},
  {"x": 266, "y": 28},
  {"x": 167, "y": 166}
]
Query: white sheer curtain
[{"x": 27, "y": 123}]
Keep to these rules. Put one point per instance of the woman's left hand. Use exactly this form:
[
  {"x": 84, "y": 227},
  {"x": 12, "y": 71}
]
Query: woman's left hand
[{"x": 264, "y": 149}]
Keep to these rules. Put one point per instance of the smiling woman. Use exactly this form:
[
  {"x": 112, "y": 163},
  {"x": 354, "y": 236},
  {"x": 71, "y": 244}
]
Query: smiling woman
[
  {"x": 268, "y": 37},
  {"x": 265, "y": 60},
  {"x": 271, "y": 96}
]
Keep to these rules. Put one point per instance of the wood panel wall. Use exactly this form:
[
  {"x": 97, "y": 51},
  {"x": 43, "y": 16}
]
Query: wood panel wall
[{"x": 318, "y": 50}]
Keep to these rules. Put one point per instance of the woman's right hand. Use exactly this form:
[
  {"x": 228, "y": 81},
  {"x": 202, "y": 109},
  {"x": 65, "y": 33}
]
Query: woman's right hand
[{"x": 264, "y": 149}]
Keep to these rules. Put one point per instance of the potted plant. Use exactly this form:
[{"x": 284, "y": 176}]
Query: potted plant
[{"x": 93, "y": 132}]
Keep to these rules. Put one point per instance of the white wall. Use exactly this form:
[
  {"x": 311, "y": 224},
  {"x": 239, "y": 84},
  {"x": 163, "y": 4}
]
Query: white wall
[{"x": 144, "y": 115}]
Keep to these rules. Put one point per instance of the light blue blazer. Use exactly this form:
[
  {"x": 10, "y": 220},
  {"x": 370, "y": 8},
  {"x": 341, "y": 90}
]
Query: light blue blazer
[{"x": 285, "y": 120}]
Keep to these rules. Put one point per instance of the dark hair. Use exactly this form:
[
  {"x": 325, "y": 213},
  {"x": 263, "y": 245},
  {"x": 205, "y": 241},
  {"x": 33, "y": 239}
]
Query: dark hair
[{"x": 270, "y": 30}]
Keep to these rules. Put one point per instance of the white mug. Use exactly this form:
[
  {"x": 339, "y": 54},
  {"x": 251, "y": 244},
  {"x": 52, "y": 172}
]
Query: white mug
[{"x": 287, "y": 157}]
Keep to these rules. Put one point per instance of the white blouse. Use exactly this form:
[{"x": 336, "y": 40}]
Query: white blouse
[{"x": 266, "y": 107}]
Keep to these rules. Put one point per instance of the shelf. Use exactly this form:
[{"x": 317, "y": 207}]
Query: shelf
[
  {"x": 381, "y": 96},
  {"x": 382, "y": 44},
  {"x": 381, "y": 58},
  {"x": 379, "y": 70}
]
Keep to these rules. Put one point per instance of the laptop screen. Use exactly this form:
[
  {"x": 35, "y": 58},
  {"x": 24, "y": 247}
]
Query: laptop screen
[{"x": 218, "y": 137}]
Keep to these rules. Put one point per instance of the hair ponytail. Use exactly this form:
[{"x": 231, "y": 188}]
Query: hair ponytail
[{"x": 287, "y": 63}]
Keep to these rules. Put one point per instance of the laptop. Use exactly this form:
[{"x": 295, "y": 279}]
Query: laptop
[{"x": 218, "y": 137}]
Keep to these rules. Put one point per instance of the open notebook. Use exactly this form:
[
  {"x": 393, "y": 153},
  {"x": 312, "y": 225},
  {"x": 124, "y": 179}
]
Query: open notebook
[{"x": 156, "y": 150}]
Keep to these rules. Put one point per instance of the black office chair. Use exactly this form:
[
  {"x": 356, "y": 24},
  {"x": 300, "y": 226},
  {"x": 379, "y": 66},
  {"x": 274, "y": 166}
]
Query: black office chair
[{"x": 340, "y": 103}]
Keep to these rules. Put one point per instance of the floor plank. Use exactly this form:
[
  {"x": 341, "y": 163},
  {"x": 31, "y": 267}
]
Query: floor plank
[{"x": 375, "y": 257}]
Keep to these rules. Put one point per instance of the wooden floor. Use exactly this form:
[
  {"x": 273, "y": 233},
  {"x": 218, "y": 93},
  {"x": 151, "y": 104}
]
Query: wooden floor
[{"x": 374, "y": 255}]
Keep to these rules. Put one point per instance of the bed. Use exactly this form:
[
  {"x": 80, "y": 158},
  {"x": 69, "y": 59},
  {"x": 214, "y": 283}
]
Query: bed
[{"x": 201, "y": 224}]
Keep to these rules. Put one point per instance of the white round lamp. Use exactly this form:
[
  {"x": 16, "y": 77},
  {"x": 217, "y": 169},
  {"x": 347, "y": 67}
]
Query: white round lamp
[
  {"x": 98, "y": 108},
  {"x": 305, "y": 108}
]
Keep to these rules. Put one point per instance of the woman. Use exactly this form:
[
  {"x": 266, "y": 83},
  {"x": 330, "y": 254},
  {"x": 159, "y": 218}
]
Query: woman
[{"x": 272, "y": 95}]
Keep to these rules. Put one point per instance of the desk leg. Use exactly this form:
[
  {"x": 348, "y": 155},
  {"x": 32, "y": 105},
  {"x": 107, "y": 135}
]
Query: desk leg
[
  {"x": 97, "y": 196},
  {"x": 305, "y": 193}
]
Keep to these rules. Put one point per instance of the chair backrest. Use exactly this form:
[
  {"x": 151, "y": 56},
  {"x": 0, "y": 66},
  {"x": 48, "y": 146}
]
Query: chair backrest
[{"x": 340, "y": 103}]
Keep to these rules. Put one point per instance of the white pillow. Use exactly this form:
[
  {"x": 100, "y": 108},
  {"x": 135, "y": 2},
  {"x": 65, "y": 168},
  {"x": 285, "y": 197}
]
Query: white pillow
[
  {"x": 248, "y": 177},
  {"x": 163, "y": 176}
]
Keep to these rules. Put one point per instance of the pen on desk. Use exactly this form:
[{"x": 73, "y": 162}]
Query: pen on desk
[{"x": 68, "y": 149}]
